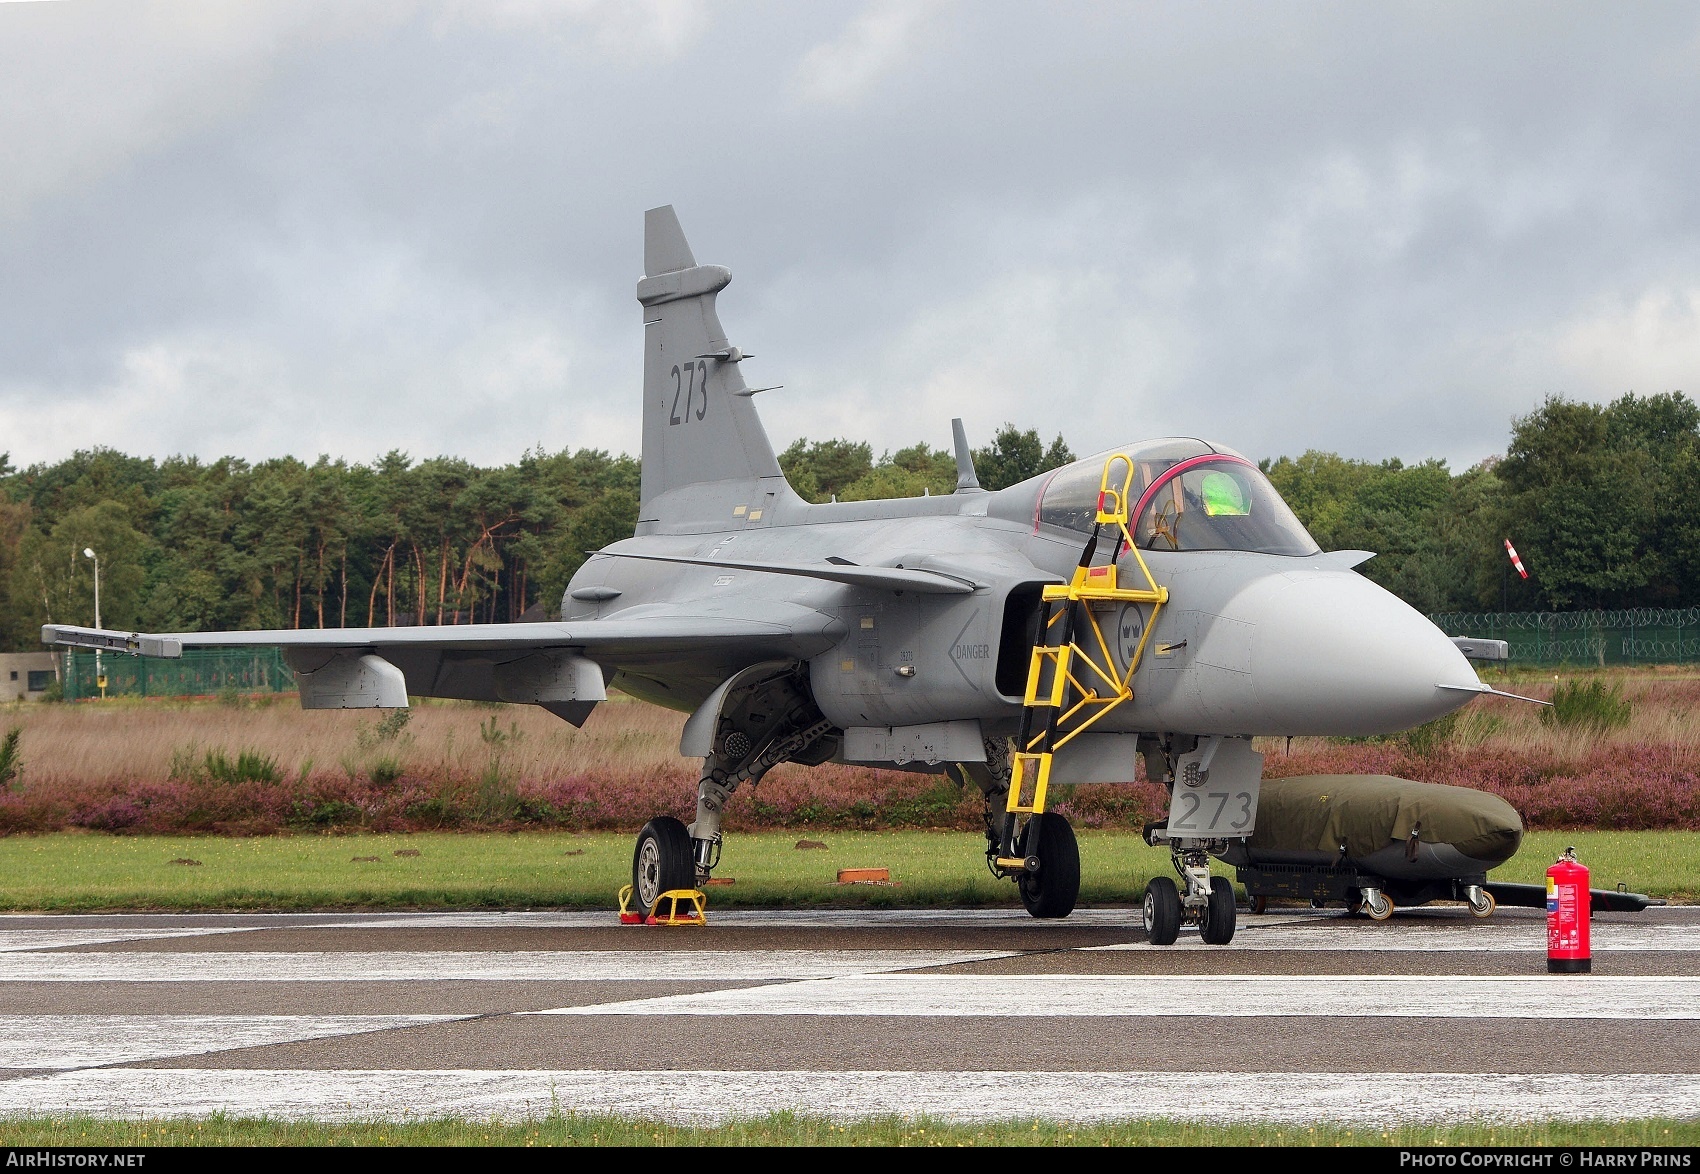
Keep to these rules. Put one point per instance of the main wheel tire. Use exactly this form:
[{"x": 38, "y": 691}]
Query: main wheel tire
[
  {"x": 662, "y": 861},
  {"x": 1053, "y": 890},
  {"x": 1216, "y": 927},
  {"x": 1162, "y": 911}
]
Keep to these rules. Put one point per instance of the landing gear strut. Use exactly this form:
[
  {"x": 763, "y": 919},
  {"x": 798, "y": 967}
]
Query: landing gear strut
[
  {"x": 758, "y": 719},
  {"x": 1039, "y": 853},
  {"x": 1204, "y": 900},
  {"x": 1200, "y": 899}
]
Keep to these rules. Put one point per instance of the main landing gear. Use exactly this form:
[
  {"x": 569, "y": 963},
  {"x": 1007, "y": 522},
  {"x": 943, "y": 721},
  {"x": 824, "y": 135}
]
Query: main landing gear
[
  {"x": 759, "y": 718},
  {"x": 1035, "y": 848},
  {"x": 1050, "y": 887}
]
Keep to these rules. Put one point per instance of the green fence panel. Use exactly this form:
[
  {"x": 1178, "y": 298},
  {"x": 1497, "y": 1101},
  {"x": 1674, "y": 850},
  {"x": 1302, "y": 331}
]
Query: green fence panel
[
  {"x": 1643, "y": 635},
  {"x": 197, "y": 673}
]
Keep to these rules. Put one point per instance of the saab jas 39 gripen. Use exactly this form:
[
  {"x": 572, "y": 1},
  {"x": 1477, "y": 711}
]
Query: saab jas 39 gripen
[{"x": 1155, "y": 603}]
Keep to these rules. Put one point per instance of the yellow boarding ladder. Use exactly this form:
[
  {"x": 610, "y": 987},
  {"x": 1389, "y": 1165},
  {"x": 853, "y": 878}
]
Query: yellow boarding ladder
[{"x": 1073, "y": 680}]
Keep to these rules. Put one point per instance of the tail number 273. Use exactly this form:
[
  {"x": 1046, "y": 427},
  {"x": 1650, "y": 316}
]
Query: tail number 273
[{"x": 690, "y": 383}]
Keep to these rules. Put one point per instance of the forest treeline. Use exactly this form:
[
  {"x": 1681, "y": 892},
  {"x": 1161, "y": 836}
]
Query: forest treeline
[
  {"x": 1603, "y": 503},
  {"x": 186, "y": 545}
]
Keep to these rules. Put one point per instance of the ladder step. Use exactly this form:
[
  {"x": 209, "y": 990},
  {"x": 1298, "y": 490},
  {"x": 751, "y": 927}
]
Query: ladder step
[
  {"x": 1058, "y": 656},
  {"x": 1025, "y": 769}
]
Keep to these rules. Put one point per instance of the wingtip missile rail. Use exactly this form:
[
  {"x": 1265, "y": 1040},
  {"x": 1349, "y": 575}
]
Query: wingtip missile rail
[{"x": 132, "y": 643}]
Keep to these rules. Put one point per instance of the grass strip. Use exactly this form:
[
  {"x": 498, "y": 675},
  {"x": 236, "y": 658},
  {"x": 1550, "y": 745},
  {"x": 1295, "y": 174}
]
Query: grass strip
[
  {"x": 72, "y": 871},
  {"x": 791, "y": 1129}
]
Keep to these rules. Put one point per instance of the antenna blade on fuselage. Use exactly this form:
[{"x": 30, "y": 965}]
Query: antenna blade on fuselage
[{"x": 966, "y": 478}]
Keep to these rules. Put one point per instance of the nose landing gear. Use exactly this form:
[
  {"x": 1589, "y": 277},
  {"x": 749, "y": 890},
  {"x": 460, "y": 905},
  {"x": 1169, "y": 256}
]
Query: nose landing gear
[
  {"x": 1208, "y": 902},
  {"x": 1162, "y": 911},
  {"x": 1216, "y": 917}
]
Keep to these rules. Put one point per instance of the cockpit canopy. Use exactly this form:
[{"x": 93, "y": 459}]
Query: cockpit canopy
[{"x": 1187, "y": 495}]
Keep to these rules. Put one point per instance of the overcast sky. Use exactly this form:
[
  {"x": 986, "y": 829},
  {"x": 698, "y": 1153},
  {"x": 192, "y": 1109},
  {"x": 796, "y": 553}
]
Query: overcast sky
[{"x": 265, "y": 228}]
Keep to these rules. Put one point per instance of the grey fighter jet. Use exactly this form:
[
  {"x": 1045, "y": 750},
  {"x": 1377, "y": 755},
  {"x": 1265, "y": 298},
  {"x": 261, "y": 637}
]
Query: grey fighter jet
[{"x": 1155, "y": 602}]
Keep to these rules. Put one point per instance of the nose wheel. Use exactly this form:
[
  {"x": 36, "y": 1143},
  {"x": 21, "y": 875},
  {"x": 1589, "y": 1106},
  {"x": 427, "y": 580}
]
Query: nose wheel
[
  {"x": 1216, "y": 917},
  {"x": 1162, "y": 912}
]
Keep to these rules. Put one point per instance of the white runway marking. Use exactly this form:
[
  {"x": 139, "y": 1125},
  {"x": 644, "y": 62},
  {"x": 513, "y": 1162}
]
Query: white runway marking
[
  {"x": 1446, "y": 927},
  {"x": 1123, "y": 918},
  {"x": 75, "y": 1041},
  {"x": 48, "y": 939},
  {"x": 493, "y": 966},
  {"x": 1340, "y": 996},
  {"x": 1524, "y": 936},
  {"x": 1651, "y": 925},
  {"x": 1374, "y": 1099}
]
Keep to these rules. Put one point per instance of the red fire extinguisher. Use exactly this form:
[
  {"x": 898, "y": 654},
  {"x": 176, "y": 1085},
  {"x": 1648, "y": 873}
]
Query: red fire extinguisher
[{"x": 1569, "y": 905}]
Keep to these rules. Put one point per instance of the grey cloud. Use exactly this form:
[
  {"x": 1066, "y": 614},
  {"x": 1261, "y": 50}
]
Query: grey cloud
[{"x": 1378, "y": 230}]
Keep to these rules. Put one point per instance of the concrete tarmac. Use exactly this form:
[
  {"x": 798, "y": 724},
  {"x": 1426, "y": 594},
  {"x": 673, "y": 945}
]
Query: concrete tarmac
[{"x": 974, "y": 1014}]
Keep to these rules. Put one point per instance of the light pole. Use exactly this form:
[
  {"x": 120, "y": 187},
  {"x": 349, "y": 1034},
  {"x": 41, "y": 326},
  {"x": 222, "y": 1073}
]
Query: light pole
[{"x": 99, "y": 673}]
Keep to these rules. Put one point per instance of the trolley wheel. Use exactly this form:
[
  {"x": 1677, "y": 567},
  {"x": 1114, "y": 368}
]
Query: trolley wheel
[
  {"x": 1053, "y": 890},
  {"x": 1257, "y": 904},
  {"x": 662, "y": 860},
  {"x": 1216, "y": 926},
  {"x": 1486, "y": 907},
  {"x": 1162, "y": 911},
  {"x": 1354, "y": 904},
  {"x": 1378, "y": 907}
]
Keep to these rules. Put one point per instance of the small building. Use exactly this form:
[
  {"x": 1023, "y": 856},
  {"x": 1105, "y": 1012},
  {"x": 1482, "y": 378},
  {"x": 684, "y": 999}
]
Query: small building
[{"x": 25, "y": 676}]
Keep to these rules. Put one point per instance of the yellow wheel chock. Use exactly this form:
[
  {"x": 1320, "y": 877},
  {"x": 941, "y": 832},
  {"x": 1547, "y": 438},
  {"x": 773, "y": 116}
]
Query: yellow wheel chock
[{"x": 694, "y": 913}]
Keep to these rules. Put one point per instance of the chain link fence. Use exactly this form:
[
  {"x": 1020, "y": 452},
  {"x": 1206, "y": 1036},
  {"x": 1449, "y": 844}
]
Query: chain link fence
[
  {"x": 198, "y": 673},
  {"x": 1642, "y": 635}
]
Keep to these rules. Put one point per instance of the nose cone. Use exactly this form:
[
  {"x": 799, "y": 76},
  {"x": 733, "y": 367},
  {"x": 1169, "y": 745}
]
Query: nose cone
[{"x": 1334, "y": 654}]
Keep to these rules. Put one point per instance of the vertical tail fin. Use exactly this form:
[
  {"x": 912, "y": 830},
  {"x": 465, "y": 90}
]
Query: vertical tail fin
[{"x": 699, "y": 424}]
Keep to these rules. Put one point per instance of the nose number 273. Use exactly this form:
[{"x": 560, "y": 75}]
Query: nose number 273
[{"x": 1212, "y": 814}]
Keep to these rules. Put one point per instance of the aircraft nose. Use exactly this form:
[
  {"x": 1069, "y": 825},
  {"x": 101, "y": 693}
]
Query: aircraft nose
[{"x": 1334, "y": 654}]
